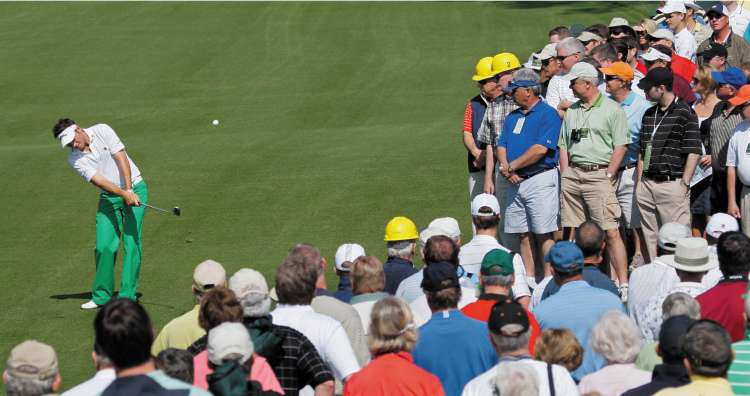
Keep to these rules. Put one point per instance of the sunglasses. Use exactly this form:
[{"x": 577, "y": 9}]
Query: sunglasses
[
  {"x": 640, "y": 33},
  {"x": 489, "y": 80},
  {"x": 713, "y": 16},
  {"x": 616, "y": 31},
  {"x": 611, "y": 77},
  {"x": 563, "y": 57}
]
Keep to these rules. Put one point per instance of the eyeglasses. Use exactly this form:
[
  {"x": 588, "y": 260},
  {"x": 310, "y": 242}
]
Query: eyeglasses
[
  {"x": 611, "y": 77},
  {"x": 563, "y": 57},
  {"x": 713, "y": 16}
]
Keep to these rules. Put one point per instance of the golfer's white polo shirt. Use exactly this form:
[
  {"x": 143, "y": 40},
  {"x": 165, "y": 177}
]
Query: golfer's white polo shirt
[
  {"x": 738, "y": 152},
  {"x": 104, "y": 143},
  {"x": 324, "y": 332}
]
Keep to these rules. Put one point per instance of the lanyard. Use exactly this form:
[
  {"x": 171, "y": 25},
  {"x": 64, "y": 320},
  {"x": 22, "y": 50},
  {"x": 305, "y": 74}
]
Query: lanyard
[{"x": 656, "y": 112}]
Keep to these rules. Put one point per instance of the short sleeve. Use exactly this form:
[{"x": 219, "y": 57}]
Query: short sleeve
[
  {"x": 111, "y": 139},
  {"x": 83, "y": 167},
  {"x": 467, "y": 118},
  {"x": 520, "y": 287},
  {"x": 549, "y": 130},
  {"x": 732, "y": 151},
  {"x": 562, "y": 141},
  {"x": 620, "y": 130},
  {"x": 313, "y": 369},
  {"x": 339, "y": 352}
]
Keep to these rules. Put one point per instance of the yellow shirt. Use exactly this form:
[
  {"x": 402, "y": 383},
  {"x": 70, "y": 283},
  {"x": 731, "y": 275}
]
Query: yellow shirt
[
  {"x": 700, "y": 386},
  {"x": 179, "y": 333}
]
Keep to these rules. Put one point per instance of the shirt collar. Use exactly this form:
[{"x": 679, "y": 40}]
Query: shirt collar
[
  {"x": 630, "y": 99},
  {"x": 579, "y": 284},
  {"x": 446, "y": 315},
  {"x": 598, "y": 102},
  {"x": 486, "y": 238},
  {"x": 493, "y": 297},
  {"x": 294, "y": 308}
]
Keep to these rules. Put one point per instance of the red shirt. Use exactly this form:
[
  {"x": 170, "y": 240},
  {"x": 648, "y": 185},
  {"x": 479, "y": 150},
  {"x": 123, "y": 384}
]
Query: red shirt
[
  {"x": 723, "y": 303},
  {"x": 393, "y": 374},
  {"x": 480, "y": 310}
]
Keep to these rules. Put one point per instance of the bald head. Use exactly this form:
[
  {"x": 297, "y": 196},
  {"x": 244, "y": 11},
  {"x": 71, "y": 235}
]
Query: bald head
[{"x": 590, "y": 238}]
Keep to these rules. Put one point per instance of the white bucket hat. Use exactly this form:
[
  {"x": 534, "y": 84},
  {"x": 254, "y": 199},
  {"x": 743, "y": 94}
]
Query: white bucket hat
[{"x": 691, "y": 255}]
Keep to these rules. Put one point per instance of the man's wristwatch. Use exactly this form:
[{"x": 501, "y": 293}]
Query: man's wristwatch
[{"x": 510, "y": 169}]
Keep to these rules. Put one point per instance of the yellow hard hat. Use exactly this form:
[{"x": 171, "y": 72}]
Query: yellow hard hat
[
  {"x": 400, "y": 229},
  {"x": 483, "y": 70},
  {"x": 504, "y": 61}
]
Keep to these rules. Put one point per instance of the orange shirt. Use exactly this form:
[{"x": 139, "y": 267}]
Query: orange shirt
[
  {"x": 393, "y": 374},
  {"x": 480, "y": 310}
]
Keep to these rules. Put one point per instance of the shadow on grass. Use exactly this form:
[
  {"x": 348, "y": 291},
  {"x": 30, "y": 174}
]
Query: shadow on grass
[{"x": 82, "y": 296}]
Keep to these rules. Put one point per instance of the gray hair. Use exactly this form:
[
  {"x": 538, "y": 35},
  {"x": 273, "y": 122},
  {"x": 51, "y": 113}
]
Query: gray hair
[
  {"x": 516, "y": 379},
  {"x": 506, "y": 344},
  {"x": 616, "y": 337},
  {"x": 571, "y": 45},
  {"x": 402, "y": 249},
  {"x": 529, "y": 75},
  {"x": 29, "y": 387},
  {"x": 680, "y": 303},
  {"x": 255, "y": 305},
  {"x": 498, "y": 280}
]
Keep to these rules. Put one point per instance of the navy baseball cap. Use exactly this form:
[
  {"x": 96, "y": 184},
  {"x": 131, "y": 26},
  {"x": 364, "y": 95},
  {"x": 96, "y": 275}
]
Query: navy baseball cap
[
  {"x": 732, "y": 76},
  {"x": 716, "y": 8},
  {"x": 671, "y": 337},
  {"x": 439, "y": 276},
  {"x": 565, "y": 256}
]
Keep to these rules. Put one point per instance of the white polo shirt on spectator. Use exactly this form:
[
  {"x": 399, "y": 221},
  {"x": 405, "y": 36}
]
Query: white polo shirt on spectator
[
  {"x": 559, "y": 90},
  {"x": 738, "y": 19},
  {"x": 685, "y": 45},
  {"x": 484, "y": 384},
  {"x": 93, "y": 386},
  {"x": 472, "y": 253},
  {"x": 324, "y": 332},
  {"x": 104, "y": 143},
  {"x": 738, "y": 152}
]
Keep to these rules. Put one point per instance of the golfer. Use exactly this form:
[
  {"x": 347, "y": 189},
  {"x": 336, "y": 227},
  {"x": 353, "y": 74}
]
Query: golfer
[{"x": 99, "y": 156}]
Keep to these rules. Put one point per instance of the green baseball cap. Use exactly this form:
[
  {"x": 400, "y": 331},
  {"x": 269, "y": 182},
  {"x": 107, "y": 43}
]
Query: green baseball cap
[{"x": 497, "y": 262}]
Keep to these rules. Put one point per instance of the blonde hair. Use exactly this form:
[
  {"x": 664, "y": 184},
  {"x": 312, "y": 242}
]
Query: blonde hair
[
  {"x": 392, "y": 327},
  {"x": 703, "y": 75},
  {"x": 648, "y": 25},
  {"x": 367, "y": 275},
  {"x": 559, "y": 346}
]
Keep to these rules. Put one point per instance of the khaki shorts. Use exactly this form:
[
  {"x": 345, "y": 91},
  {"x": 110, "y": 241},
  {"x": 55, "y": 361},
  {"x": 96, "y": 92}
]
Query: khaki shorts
[{"x": 588, "y": 195}]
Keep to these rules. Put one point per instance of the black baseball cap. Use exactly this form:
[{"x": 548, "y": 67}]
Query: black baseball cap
[
  {"x": 714, "y": 49},
  {"x": 655, "y": 77},
  {"x": 439, "y": 276},
  {"x": 671, "y": 337},
  {"x": 508, "y": 318}
]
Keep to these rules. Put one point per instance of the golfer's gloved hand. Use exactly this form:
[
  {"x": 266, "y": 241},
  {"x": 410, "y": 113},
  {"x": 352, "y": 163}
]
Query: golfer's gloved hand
[{"x": 132, "y": 199}]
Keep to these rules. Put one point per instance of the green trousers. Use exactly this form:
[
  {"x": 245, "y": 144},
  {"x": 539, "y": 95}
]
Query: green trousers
[{"x": 115, "y": 220}]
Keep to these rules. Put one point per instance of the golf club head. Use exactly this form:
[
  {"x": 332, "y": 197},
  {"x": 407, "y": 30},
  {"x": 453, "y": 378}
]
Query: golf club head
[{"x": 176, "y": 211}]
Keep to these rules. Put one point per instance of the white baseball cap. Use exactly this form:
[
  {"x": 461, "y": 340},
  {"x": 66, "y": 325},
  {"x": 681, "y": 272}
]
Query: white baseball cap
[
  {"x": 654, "y": 54},
  {"x": 483, "y": 200},
  {"x": 673, "y": 6},
  {"x": 670, "y": 233},
  {"x": 665, "y": 34},
  {"x": 447, "y": 226},
  {"x": 581, "y": 69},
  {"x": 246, "y": 281},
  {"x": 348, "y": 252},
  {"x": 227, "y": 339},
  {"x": 209, "y": 274},
  {"x": 549, "y": 51},
  {"x": 721, "y": 223}
]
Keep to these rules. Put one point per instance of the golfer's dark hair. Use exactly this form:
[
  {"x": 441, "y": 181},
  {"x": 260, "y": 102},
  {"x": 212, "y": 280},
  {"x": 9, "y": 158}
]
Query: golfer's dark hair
[
  {"x": 296, "y": 277},
  {"x": 176, "y": 363},
  {"x": 443, "y": 299},
  {"x": 561, "y": 32},
  {"x": 590, "y": 238},
  {"x": 598, "y": 29},
  {"x": 124, "y": 333},
  {"x": 440, "y": 248},
  {"x": 734, "y": 253},
  {"x": 61, "y": 125},
  {"x": 219, "y": 305},
  {"x": 708, "y": 349},
  {"x": 485, "y": 222}
]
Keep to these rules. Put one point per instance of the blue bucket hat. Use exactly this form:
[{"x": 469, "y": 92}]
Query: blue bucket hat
[
  {"x": 565, "y": 256},
  {"x": 732, "y": 76}
]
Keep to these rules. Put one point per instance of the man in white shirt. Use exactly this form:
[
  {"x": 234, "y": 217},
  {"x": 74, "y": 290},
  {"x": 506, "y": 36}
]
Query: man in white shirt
[
  {"x": 738, "y": 16},
  {"x": 105, "y": 374},
  {"x": 559, "y": 95},
  {"x": 485, "y": 214},
  {"x": 295, "y": 288},
  {"x": 98, "y": 155},
  {"x": 510, "y": 332},
  {"x": 691, "y": 261},
  {"x": 684, "y": 42},
  {"x": 738, "y": 161}
]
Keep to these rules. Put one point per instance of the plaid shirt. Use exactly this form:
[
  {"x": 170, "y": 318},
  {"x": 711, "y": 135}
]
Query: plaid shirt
[
  {"x": 494, "y": 118},
  {"x": 296, "y": 364}
]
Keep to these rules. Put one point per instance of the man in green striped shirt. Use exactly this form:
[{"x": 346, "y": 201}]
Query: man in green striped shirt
[{"x": 739, "y": 371}]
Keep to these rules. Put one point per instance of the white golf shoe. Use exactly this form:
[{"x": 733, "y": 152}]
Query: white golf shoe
[{"x": 89, "y": 305}]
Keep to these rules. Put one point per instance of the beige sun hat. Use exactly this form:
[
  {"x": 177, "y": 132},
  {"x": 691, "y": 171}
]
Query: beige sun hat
[{"x": 691, "y": 255}]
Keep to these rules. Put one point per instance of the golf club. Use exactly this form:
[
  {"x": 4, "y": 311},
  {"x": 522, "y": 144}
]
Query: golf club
[{"x": 175, "y": 211}]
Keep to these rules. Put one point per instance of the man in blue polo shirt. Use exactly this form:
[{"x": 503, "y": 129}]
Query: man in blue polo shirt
[
  {"x": 451, "y": 345},
  {"x": 527, "y": 151},
  {"x": 577, "y": 306}
]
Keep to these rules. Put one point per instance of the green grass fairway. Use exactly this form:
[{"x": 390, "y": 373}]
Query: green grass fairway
[{"x": 335, "y": 117}]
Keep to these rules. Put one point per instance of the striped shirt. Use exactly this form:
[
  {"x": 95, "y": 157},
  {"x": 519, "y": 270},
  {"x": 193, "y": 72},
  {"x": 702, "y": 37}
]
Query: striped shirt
[
  {"x": 494, "y": 119},
  {"x": 739, "y": 371},
  {"x": 672, "y": 135},
  {"x": 721, "y": 128}
]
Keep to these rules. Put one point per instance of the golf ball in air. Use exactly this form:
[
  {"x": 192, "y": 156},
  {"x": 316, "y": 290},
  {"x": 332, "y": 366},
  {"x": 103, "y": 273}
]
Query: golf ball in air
[{"x": 215, "y": 122}]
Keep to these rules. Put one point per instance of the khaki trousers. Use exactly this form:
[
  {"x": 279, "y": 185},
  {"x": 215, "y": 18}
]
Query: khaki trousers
[{"x": 661, "y": 203}]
